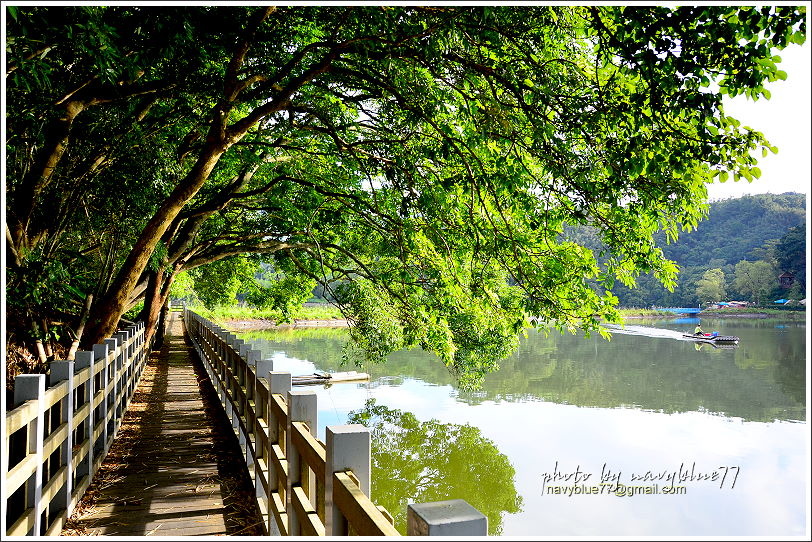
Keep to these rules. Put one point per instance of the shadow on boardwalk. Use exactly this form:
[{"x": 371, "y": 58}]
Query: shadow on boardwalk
[{"x": 175, "y": 467}]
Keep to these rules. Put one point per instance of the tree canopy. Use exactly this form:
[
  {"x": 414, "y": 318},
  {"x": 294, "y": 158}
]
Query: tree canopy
[{"x": 426, "y": 159}]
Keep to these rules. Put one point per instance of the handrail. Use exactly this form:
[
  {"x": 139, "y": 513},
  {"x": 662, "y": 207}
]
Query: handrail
[
  {"x": 61, "y": 427},
  {"x": 304, "y": 486},
  {"x": 275, "y": 427}
]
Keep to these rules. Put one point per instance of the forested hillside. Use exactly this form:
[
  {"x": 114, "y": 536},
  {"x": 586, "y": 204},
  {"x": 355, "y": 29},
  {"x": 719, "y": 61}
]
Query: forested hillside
[
  {"x": 735, "y": 227},
  {"x": 736, "y": 253}
]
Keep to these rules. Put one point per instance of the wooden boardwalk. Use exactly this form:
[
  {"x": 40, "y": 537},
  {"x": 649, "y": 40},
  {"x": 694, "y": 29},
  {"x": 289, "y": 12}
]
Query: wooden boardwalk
[{"x": 174, "y": 468}]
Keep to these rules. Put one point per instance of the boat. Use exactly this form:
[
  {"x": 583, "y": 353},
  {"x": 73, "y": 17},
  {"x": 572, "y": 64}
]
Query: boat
[
  {"x": 713, "y": 338},
  {"x": 328, "y": 378}
]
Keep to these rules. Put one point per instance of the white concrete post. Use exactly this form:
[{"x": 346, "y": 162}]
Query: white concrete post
[
  {"x": 122, "y": 372},
  {"x": 244, "y": 348},
  {"x": 348, "y": 448},
  {"x": 100, "y": 354},
  {"x": 85, "y": 468},
  {"x": 302, "y": 407},
  {"x": 250, "y": 419},
  {"x": 111, "y": 390},
  {"x": 263, "y": 368},
  {"x": 445, "y": 518},
  {"x": 252, "y": 356},
  {"x": 26, "y": 388},
  {"x": 280, "y": 384},
  {"x": 64, "y": 370}
]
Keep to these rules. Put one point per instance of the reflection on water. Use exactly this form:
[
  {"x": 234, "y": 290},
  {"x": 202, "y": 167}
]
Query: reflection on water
[
  {"x": 635, "y": 402},
  {"x": 430, "y": 461},
  {"x": 761, "y": 379}
]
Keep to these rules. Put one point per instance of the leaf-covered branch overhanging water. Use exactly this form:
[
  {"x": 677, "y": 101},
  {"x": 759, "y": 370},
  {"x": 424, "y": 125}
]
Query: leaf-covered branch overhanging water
[{"x": 428, "y": 159}]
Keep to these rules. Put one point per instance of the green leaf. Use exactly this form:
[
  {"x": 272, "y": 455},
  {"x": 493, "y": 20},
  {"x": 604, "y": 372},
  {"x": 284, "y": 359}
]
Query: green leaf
[{"x": 799, "y": 38}]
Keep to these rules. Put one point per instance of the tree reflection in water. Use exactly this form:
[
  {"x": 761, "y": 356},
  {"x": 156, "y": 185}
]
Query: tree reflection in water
[{"x": 414, "y": 461}]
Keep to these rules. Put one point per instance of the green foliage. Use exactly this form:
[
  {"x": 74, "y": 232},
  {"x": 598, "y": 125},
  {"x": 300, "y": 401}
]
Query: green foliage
[
  {"x": 223, "y": 314},
  {"x": 219, "y": 282},
  {"x": 284, "y": 294},
  {"x": 790, "y": 252},
  {"x": 183, "y": 286},
  {"x": 712, "y": 286},
  {"x": 424, "y": 160},
  {"x": 133, "y": 313},
  {"x": 736, "y": 229},
  {"x": 754, "y": 279}
]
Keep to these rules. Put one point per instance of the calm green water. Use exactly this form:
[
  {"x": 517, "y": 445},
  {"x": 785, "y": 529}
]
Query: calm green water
[{"x": 731, "y": 421}]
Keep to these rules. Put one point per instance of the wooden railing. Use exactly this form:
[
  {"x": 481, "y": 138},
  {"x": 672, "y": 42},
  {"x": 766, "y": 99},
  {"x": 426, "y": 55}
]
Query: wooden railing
[
  {"x": 305, "y": 486},
  {"x": 62, "y": 426}
]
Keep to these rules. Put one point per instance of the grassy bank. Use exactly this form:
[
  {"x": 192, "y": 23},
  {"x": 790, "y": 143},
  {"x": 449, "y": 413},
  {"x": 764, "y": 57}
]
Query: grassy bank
[
  {"x": 329, "y": 312},
  {"x": 308, "y": 312},
  {"x": 749, "y": 312},
  {"x": 643, "y": 313}
]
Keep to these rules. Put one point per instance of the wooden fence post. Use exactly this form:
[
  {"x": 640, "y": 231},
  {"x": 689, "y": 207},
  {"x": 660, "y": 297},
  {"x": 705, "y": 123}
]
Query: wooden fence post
[
  {"x": 348, "y": 448},
  {"x": 27, "y": 388},
  {"x": 121, "y": 377},
  {"x": 262, "y": 447}
]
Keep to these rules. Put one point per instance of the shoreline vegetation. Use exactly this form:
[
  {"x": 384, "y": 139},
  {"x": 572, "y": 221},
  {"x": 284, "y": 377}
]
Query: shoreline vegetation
[{"x": 324, "y": 315}]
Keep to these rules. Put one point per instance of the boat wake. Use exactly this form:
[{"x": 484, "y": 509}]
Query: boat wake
[{"x": 644, "y": 331}]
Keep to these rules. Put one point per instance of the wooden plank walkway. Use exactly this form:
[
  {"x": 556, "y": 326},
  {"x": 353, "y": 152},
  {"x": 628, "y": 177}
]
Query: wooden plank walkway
[{"x": 174, "y": 468}]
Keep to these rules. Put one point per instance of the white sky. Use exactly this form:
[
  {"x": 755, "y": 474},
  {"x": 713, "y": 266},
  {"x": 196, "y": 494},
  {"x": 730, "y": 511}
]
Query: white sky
[{"x": 784, "y": 120}]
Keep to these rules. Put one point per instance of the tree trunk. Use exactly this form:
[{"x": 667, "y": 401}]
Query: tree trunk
[
  {"x": 220, "y": 137},
  {"x": 80, "y": 328},
  {"x": 104, "y": 318},
  {"x": 39, "y": 176},
  {"x": 160, "y": 333},
  {"x": 150, "y": 314}
]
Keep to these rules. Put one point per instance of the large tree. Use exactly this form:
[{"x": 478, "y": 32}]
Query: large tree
[
  {"x": 425, "y": 158},
  {"x": 711, "y": 287},
  {"x": 755, "y": 279},
  {"x": 790, "y": 252}
]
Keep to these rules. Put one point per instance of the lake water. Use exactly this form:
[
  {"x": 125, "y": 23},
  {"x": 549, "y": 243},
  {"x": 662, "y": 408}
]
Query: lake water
[{"x": 703, "y": 441}]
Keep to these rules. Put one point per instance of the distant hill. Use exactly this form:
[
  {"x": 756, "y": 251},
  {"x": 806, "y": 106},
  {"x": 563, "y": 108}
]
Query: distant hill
[
  {"x": 735, "y": 227},
  {"x": 735, "y": 230}
]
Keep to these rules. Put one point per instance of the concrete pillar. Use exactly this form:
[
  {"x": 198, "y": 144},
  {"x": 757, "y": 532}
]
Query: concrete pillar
[
  {"x": 263, "y": 367},
  {"x": 27, "y": 388},
  {"x": 280, "y": 384},
  {"x": 100, "y": 352},
  {"x": 445, "y": 518},
  {"x": 111, "y": 390},
  {"x": 348, "y": 448},
  {"x": 64, "y": 370},
  {"x": 302, "y": 407},
  {"x": 85, "y": 359}
]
